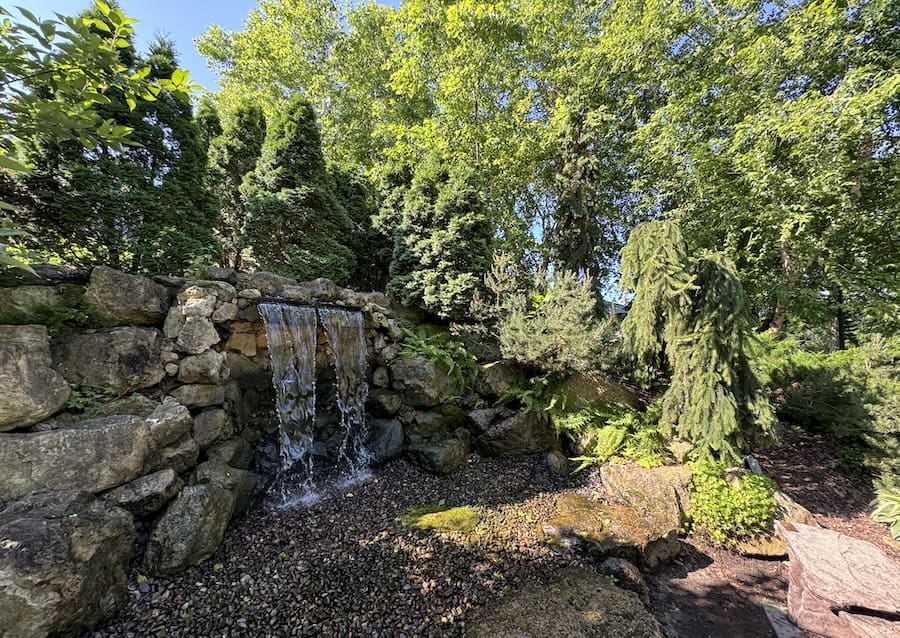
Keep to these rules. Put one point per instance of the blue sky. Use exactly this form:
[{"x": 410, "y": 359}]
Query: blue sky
[{"x": 182, "y": 20}]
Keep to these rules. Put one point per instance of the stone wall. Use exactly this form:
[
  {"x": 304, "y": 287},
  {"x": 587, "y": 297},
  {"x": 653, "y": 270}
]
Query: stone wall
[{"x": 152, "y": 423}]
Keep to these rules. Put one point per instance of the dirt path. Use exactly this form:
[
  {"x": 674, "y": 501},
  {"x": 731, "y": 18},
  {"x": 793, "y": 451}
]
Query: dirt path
[{"x": 711, "y": 592}]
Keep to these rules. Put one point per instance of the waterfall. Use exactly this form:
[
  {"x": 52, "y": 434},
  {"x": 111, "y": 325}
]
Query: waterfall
[
  {"x": 345, "y": 330},
  {"x": 291, "y": 332}
]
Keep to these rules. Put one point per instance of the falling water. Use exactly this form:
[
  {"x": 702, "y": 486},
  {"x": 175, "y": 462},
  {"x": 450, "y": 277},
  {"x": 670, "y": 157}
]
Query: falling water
[
  {"x": 292, "y": 348},
  {"x": 345, "y": 330}
]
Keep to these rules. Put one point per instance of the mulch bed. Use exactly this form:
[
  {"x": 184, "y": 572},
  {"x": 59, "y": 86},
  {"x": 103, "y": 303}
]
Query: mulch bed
[{"x": 346, "y": 567}]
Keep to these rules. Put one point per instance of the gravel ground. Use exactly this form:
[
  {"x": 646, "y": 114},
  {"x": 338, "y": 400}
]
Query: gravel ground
[{"x": 345, "y": 567}]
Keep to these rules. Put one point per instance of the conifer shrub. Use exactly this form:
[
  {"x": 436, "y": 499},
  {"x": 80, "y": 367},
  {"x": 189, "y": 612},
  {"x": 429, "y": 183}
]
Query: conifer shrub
[
  {"x": 852, "y": 396},
  {"x": 295, "y": 225},
  {"x": 554, "y": 326},
  {"x": 690, "y": 320}
]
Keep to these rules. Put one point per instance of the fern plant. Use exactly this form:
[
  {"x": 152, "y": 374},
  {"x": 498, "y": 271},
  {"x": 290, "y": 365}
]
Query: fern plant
[
  {"x": 446, "y": 352},
  {"x": 887, "y": 506}
]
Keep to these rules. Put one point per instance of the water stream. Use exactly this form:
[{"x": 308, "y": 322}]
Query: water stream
[
  {"x": 346, "y": 337},
  {"x": 291, "y": 332}
]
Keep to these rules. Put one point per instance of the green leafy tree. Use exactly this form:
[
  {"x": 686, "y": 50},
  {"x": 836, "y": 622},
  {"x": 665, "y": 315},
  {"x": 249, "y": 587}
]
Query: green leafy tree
[
  {"x": 232, "y": 156},
  {"x": 142, "y": 207},
  {"x": 81, "y": 58},
  {"x": 775, "y": 142},
  {"x": 296, "y": 226},
  {"x": 693, "y": 317},
  {"x": 442, "y": 239}
]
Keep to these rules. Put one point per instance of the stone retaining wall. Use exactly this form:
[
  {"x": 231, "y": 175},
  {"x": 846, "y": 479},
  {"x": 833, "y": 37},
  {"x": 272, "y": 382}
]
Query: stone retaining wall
[{"x": 155, "y": 420}]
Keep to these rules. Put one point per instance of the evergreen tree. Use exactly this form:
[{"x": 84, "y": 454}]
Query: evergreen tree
[
  {"x": 371, "y": 246},
  {"x": 142, "y": 207},
  {"x": 693, "y": 317},
  {"x": 442, "y": 239},
  {"x": 296, "y": 226},
  {"x": 232, "y": 156}
]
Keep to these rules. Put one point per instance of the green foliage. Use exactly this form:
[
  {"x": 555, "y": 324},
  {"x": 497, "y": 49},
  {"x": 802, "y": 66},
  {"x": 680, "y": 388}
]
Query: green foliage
[
  {"x": 53, "y": 92},
  {"x": 605, "y": 432},
  {"x": 553, "y": 327},
  {"x": 58, "y": 319},
  {"x": 851, "y": 395},
  {"x": 442, "y": 238},
  {"x": 88, "y": 398},
  {"x": 730, "y": 506},
  {"x": 887, "y": 506},
  {"x": 142, "y": 207},
  {"x": 536, "y": 394},
  {"x": 444, "y": 350},
  {"x": 692, "y": 317},
  {"x": 295, "y": 225},
  {"x": 232, "y": 156}
]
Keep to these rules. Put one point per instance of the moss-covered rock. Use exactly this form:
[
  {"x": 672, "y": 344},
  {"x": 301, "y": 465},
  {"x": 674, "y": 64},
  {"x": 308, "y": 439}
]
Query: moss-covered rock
[
  {"x": 440, "y": 518},
  {"x": 611, "y": 530}
]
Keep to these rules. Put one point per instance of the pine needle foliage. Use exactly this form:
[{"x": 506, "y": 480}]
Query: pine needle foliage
[
  {"x": 655, "y": 266},
  {"x": 295, "y": 224},
  {"x": 552, "y": 326},
  {"x": 693, "y": 317}
]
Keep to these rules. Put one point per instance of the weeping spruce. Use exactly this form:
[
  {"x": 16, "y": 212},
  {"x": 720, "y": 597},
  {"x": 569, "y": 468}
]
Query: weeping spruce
[{"x": 692, "y": 318}]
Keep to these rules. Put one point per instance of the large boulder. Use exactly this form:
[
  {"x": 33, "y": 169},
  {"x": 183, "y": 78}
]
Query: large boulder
[
  {"x": 198, "y": 334},
  {"x": 839, "y": 586},
  {"x": 240, "y": 483},
  {"x": 148, "y": 494},
  {"x": 584, "y": 389},
  {"x": 523, "y": 433},
  {"x": 190, "y": 529},
  {"x": 382, "y": 402},
  {"x": 24, "y": 303},
  {"x": 602, "y": 531},
  {"x": 267, "y": 283},
  {"x": 63, "y": 562},
  {"x": 421, "y": 381},
  {"x": 441, "y": 456},
  {"x": 95, "y": 455},
  {"x": 212, "y": 426},
  {"x": 496, "y": 379},
  {"x": 199, "y": 395},
  {"x": 209, "y": 367},
  {"x": 235, "y": 452},
  {"x": 659, "y": 492},
  {"x": 577, "y": 603},
  {"x": 30, "y": 390},
  {"x": 121, "y": 358},
  {"x": 127, "y": 299}
]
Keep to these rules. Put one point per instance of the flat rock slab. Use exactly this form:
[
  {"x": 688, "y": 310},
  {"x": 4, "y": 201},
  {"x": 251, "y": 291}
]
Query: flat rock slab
[
  {"x": 839, "y": 586},
  {"x": 611, "y": 530},
  {"x": 576, "y": 604}
]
